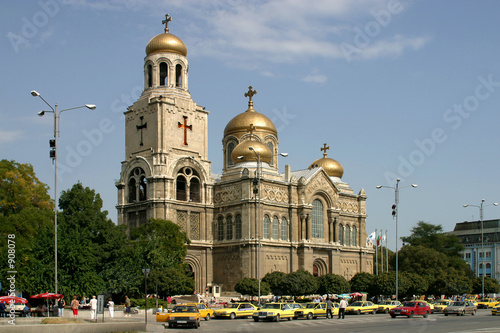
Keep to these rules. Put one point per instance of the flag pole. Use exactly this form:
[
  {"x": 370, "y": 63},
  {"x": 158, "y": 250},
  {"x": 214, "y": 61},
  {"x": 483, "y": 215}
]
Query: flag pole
[{"x": 376, "y": 253}]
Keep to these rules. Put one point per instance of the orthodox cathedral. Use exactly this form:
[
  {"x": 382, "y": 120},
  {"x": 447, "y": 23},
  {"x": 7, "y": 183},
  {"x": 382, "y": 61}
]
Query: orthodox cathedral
[{"x": 252, "y": 219}]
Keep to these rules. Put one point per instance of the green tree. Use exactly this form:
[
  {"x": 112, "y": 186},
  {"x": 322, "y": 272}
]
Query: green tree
[
  {"x": 250, "y": 286},
  {"x": 275, "y": 280},
  {"x": 333, "y": 284},
  {"x": 298, "y": 283},
  {"x": 362, "y": 281},
  {"x": 385, "y": 284},
  {"x": 491, "y": 285}
]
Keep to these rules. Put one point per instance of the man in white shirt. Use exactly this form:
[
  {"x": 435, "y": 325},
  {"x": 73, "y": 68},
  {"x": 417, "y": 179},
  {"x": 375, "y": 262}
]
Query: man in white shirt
[
  {"x": 343, "y": 304},
  {"x": 93, "y": 308}
]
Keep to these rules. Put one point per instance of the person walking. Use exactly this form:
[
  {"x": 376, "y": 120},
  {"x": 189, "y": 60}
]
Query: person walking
[
  {"x": 74, "y": 306},
  {"x": 111, "y": 308},
  {"x": 60, "y": 306},
  {"x": 127, "y": 306},
  {"x": 342, "y": 306},
  {"x": 93, "y": 308},
  {"x": 329, "y": 305}
]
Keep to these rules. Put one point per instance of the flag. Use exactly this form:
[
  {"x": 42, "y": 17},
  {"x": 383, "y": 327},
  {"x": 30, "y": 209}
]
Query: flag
[
  {"x": 384, "y": 237},
  {"x": 379, "y": 239},
  {"x": 371, "y": 237}
]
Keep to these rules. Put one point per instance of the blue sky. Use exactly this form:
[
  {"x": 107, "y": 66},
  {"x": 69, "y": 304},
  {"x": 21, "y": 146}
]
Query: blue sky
[{"x": 407, "y": 89}]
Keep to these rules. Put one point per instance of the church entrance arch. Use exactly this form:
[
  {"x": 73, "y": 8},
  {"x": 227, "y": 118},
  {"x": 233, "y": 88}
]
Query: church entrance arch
[{"x": 319, "y": 267}]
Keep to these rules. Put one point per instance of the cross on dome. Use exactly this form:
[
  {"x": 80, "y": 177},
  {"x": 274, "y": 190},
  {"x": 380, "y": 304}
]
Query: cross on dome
[
  {"x": 250, "y": 94},
  {"x": 167, "y": 19},
  {"x": 324, "y": 149}
]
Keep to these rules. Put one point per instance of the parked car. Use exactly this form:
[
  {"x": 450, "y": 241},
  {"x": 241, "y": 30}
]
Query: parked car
[
  {"x": 386, "y": 306},
  {"x": 360, "y": 307},
  {"x": 184, "y": 315},
  {"x": 460, "y": 308},
  {"x": 235, "y": 310},
  {"x": 411, "y": 308},
  {"x": 495, "y": 310},
  {"x": 315, "y": 310},
  {"x": 440, "y": 305},
  {"x": 275, "y": 312},
  {"x": 205, "y": 311},
  {"x": 486, "y": 303}
]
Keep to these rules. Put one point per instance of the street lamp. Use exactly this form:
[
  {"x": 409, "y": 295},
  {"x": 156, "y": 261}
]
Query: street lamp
[
  {"x": 395, "y": 214},
  {"x": 481, "y": 207},
  {"x": 256, "y": 191},
  {"x": 53, "y": 155},
  {"x": 146, "y": 272}
]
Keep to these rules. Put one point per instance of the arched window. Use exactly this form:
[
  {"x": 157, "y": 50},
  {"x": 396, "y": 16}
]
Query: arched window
[
  {"x": 480, "y": 266},
  {"x": 229, "y": 228},
  {"x": 178, "y": 76},
  {"x": 137, "y": 185},
  {"x": 354, "y": 236},
  {"x": 276, "y": 228},
  {"x": 488, "y": 265},
  {"x": 194, "y": 190},
  {"x": 181, "y": 188},
  {"x": 317, "y": 219},
  {"x": 347, "y": 235},
  {"x": 284, "y": 229},
  {"x": 237, "y": 226},
  {"x": 220, "y": 228},
  {"x": 341, "y": 234},
  {"x": 150, "y": 75},
  {"x": 271, "y": 148},
  {"x": 267, "y": 222},
  {"x": 163, "y": 74},
  {"x": 230, "y": 148}
]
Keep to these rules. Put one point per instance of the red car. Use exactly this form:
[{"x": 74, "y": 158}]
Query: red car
[{"x": 411, "y": 308}]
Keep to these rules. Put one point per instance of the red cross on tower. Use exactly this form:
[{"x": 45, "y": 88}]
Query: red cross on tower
[{"x": 185, "y": 126}]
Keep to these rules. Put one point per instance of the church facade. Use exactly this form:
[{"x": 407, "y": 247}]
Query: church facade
[{"x": 251, "y": 219}]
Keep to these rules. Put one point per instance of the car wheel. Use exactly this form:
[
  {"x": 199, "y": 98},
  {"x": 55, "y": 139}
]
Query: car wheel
[
  {"x": 446, "y": 314},
  {"x": 207, "y": 317},
  {"x": 393, "y": 316},
  {"x": 170, "y": 325},
  {"x": 473, "y": 312},
  {"x": 426, "y": 314},
  {"x": 232, "y": 315},
  {"x": 374, "y": 311},
  {"x": 309, "y": 316},
  {"x": 256, "y": 319},
  {"x": 410, "y": 315},
  {"x": 358, "y": 312},
  {"x": 289, "y": 318},
  {"x": 278, "y": 317}
]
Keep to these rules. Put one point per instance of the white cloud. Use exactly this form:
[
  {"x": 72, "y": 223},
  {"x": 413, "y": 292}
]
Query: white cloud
[{"x": 10, "y": 136}]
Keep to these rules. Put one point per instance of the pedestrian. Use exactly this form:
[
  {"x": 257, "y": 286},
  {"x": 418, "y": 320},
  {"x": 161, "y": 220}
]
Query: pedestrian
[
  {"x": 329, "y": 305},
  {"x": 74, "y": 306},
  {"x": 342, "y": 306},
  {"x": 111, "y": 308},
  {"x": 127, "y": 306},
  {"x": 2, "y": 310},
  {"x": 60, "y": 306},
  {"x": 93, "y": 308}
]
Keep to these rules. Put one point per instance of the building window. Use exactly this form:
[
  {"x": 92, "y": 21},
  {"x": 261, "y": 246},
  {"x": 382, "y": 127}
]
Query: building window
[
  {"x": 150, "y": 75},
  {"x": 137, "y": 185},
  {"x": 276, "y": 228},
  {"x": 271, "y": 148},
  {"x": 341, "y": 234},
  {"x": 237, "y": 221},
  {"x": 178, "y": 76},
  {"x": 267, "y": 222},
  {"x": 284, "y": 229},
  {"x": 181, "y": 188},
  {"x": 163, "y": 74},
  {"x": 194, "y": 190},
  {"x": 188, "y": 186},
  {"x": 230, "y": 148},
  {"x": 467, "y": 255},
  {"x": 347, "y": 236},
  {"x": 481, "y": 254},
  {"x": 488, "y": 254},
  {"x": 220, "y": 228},
  {"x": 229, "y": 228},
  {"x": 317, "y": 219},
  {"x": 354, "y": 236},
  {"x": 194, "y": 226}
]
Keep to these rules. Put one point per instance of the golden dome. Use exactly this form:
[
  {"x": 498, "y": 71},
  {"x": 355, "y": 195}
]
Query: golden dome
[
  {"x": 242, "y": 122},
  {"x": 331, "y": 167},
  {"x": 166, "y": 42},
  {"x": 243, "y": 149}
]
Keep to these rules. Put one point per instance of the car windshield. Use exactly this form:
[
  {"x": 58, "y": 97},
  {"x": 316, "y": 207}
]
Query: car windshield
[
  {"x": 357, "y": 304},
  {"x": 458, "y": 303},
  {"x": 271, "y": 306},
  {"x": 184, "y": 309},
  {"x": 310, "y": 306},
  {"x": 409, "y": 304}
]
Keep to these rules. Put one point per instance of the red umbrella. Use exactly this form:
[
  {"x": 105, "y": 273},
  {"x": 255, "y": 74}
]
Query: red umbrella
[
  {"x": 15, "y": 299},
  {"x": 48, "y": 296},
  {"x": 356, "y": 294}
]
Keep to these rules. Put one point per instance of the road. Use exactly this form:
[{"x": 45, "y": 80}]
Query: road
[{"x": 482, "y": 322}]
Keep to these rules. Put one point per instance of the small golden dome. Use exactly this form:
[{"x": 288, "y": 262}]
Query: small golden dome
[
  {"x": 331, "y": 167},
  {"x": 166, "y": 42},
  {"x": 241, "y": 122},
  {"x": 243, "y": 149}
]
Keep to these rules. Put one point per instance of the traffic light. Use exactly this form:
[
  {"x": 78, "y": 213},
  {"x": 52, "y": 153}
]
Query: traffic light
[
  {"x": 52, "y": 144},
  {"x": 393, "y": 210}
]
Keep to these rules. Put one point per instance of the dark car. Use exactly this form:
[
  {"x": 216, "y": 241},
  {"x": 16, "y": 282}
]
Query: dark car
[{"x": 411, "y": 308}]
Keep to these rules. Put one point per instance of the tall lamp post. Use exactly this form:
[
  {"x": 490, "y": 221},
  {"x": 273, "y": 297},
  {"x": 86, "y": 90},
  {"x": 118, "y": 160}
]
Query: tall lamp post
[
  {"x": 53, "y": 155},
  {"x": 256, "y": 191},
  {"x": 481, "y": 207},
  {"x": 395, "y": 214}
]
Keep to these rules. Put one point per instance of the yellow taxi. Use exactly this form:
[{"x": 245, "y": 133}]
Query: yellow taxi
[
  {"x": 360, "y": 307},
  {"x": 184, "y": 315},
  {"x": 495, "y": 310},
  {"x": 440, "y": 305},
  {"x": 315, "y": 310},
  {"x": 162, "y": 316},
  {"x": 205, "y": 311},
  {"x": 486, "y": 303},
  {"x": 235, "y": 310},
  {"x": 275, "y": 312},
  {"x": 386, "y": 306}
]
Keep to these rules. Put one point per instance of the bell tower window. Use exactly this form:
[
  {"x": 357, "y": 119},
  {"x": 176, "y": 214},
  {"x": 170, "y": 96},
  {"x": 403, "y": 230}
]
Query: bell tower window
[
  {"x": 137, "y": 186},
  {"x": 163, "y": 74},
  {"x": 178, "y": 76},
  {"x": 150, "y": 76},
  {"x": 194, "y": 190},
  {"x": 181, "y": 188},
  {"x": 188, "y": 185},
  {"x": 230, "y": 148}
]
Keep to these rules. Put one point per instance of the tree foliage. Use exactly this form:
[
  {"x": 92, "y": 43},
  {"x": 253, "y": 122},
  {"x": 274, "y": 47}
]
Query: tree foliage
[
  {"x": 250, "y": 286},
  {"x": 300, "y": 282},
  {"x": 275, "y": 281},
  {"x": 491, "y": 285},
  {"x": 362, "y": 281},
  {"x": 333, "y": 284}
]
